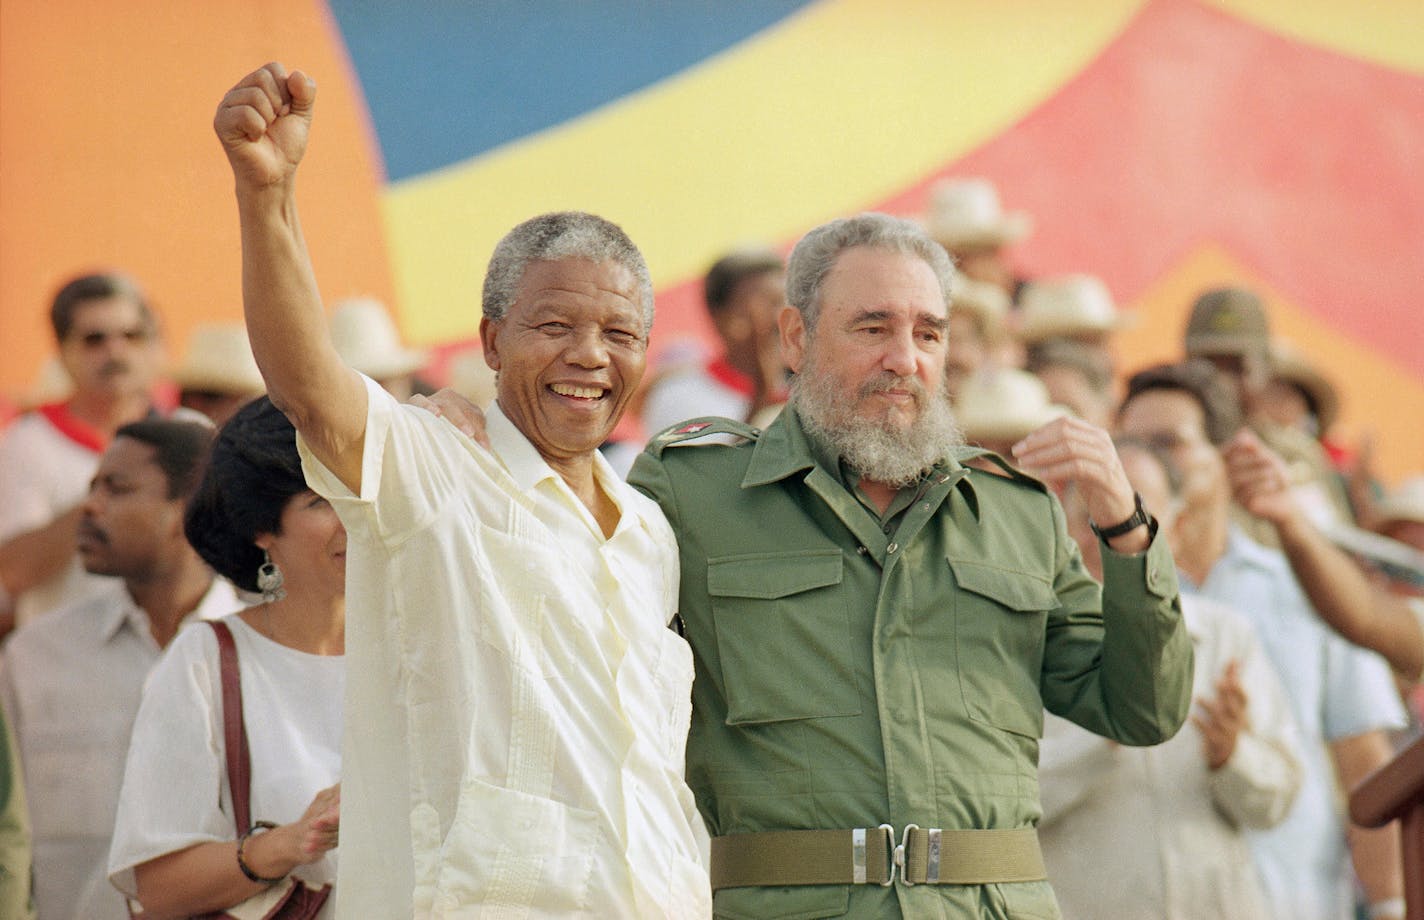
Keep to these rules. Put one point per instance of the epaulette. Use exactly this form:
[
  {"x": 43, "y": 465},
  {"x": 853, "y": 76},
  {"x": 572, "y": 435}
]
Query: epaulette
[
  {"x": 968, "y": 456},
  {"x": 693, "y": 429}
]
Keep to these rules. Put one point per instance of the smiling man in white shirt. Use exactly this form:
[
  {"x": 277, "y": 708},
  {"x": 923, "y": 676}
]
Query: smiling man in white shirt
[{"x": 518, "y": 707}]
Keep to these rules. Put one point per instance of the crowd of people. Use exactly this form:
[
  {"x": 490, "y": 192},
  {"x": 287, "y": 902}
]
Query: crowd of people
[{"x": 912, "y": 596}]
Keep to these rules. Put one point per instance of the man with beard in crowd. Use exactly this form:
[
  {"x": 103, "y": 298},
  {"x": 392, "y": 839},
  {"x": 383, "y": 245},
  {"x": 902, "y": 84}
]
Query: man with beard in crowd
[{"x": 878, "y": 627}]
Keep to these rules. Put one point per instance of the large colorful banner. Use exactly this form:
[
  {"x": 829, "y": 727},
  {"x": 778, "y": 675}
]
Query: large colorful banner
[{"x": 1164, "y": 145}]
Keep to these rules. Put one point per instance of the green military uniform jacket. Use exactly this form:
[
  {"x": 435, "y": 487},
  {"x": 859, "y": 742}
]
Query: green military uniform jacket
[{"x": 850, "y": 673}]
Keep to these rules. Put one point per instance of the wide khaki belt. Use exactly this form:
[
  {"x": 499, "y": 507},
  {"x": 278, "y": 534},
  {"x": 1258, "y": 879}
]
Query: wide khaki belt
[{"x": 870, "y": 856}]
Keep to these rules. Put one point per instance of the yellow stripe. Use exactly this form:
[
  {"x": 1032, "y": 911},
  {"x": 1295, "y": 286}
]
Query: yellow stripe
[
  {"x": 830, "y": 111},
  {"x": 1388, "y": 32}
]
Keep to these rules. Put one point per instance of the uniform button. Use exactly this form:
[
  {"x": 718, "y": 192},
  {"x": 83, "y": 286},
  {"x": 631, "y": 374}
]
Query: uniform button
[
  {"x": 861, "y": 551},
  {"x": 892, "y": 547},
  {"x": 886, "y": 528}
]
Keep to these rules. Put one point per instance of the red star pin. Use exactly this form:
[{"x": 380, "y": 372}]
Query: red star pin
[{"x": 693, "y": 428}]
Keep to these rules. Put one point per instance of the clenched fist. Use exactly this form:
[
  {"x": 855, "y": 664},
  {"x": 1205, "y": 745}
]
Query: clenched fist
[{"x": 263, "y": 123}]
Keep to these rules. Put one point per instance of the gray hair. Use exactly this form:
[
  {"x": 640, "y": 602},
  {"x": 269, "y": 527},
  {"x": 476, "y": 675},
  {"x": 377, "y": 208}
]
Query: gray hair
[
  {"x": 561, "y": 235},
  {"x": 814, "y": 257}
]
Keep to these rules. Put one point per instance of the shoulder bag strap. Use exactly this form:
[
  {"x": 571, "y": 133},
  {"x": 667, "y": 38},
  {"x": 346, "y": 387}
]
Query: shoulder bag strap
[{"x": 239, "y": 763}]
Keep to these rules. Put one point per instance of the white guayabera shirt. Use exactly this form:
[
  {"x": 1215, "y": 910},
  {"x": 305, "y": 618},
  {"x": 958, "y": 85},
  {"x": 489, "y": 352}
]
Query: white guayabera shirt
[{"x": 518, "y": 709}]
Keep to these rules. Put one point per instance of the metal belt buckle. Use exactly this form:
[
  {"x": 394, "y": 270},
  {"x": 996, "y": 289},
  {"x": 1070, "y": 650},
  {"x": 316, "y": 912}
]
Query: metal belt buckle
[
  {"x": 932, "y": 844},
  {"x": 859, "y": 874}
]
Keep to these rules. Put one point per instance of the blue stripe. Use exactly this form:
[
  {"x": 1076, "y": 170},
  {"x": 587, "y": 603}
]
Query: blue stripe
[{"x": 446, "y": 80}]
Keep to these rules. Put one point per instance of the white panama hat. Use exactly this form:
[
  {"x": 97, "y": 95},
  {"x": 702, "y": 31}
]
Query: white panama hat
[
  {"x": 966, "y": 212},
  {"x": 366, "y": 338},
  {"x": 218, "y": 359}
]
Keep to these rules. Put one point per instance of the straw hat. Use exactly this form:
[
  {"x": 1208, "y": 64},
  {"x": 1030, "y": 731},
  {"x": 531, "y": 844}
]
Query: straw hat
[
  {"x": 365, "y": 336},
  {"x": 1290, "y": 365},
  {"x": 966, "y": 212},
  {"x": 1066, "y": 306},
  {"x": 1004, "y": 404},
  {"x": 989, "y": 303},
  {"x": 1405, "y": 503},
  {"x": 219, "y": 359},
  {"x": 1229, "y": 321}
]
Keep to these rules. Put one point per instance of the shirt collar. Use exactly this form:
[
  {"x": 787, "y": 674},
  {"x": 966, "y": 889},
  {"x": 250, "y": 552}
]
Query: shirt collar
[
  {"x": 119, "y": 609},
  {"x": 518, "y": 454},
  {"x": 521, "y": 459},
  {"x": 1242, "y": 548}
]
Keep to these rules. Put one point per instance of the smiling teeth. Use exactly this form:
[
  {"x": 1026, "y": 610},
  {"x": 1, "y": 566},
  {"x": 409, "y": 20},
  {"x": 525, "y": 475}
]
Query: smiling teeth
[{"x": 564, "y": 389}]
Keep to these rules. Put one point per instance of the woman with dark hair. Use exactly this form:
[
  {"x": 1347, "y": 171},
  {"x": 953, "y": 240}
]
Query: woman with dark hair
[{"x": 184, "y": 843}]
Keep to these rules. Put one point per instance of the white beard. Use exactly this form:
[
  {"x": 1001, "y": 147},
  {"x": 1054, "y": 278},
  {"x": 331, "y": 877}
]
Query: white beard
[{"x": 882, "y": 452}]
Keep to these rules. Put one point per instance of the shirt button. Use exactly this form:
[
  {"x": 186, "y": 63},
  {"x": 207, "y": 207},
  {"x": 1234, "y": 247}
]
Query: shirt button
[
  {"x": 861, "y": 551},
  {"x": 886, "y": 528},
  {"x": 892, "y": 547}
]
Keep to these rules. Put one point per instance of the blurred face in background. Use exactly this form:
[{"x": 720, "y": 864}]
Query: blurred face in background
[
  {"x": 1174, "y": 421},
  {"x": 111, "y": 349}
]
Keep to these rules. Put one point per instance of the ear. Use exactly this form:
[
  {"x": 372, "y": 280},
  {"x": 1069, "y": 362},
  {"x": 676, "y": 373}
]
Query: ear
[
  {"x": 489, "y": 336},
  {"x": 263, "y": 541},
  {"x": 793, "y": 337}
]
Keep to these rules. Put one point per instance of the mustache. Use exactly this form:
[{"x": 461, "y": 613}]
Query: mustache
[
  {"x": 114, "y": 366},
  {"x": 886, "y": 381}
]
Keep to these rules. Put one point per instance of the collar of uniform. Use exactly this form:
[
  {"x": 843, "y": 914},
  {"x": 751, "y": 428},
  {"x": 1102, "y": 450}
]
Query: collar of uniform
[{"x": 782, "y": 449}]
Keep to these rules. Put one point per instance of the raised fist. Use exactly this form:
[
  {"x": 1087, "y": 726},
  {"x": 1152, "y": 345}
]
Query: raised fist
[{"x": 263, "y": 123}]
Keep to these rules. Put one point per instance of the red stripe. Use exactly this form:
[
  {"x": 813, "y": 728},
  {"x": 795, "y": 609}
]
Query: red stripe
[
  {"x": 730, "y": 377},
  {"x": 76, "y": 430}
]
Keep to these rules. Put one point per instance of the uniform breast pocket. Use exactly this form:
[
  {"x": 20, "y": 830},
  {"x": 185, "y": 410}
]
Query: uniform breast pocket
[
  {"x": 1000, "y": 619},
  {"x": 783, "y": 636}
]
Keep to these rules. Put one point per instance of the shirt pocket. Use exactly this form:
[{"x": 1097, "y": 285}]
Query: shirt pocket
[
  {"x": 1000, "y": 619},
  {"x": 783, "y": 636},
  {"x": 531, "y": 856}
]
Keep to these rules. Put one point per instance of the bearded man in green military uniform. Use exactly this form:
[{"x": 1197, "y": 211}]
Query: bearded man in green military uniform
[{"x": 880, "y": 616}]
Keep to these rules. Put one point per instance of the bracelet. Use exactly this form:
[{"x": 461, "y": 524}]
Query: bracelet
[{"x": 242, "y": 863}]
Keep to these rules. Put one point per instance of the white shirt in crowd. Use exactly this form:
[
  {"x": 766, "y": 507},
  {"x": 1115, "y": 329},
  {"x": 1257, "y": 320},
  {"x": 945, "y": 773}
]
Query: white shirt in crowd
[
  {"x": 1337, "y": 690},
  {"x": 72, "y": 684},
  {"x": 1154, "y": 834},
  {"x": 45, "y": 472},
  {"x": 695, "y": 390},
  {"x": 175, "y": 792},
  {"x": 523, "y": 706}
]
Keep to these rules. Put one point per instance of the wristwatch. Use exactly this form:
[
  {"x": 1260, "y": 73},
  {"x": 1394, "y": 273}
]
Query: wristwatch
[{"x": 1138, "y": 518}]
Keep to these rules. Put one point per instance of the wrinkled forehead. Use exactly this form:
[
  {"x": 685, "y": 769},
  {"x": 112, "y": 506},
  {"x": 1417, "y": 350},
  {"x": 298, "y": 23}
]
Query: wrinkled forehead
[{"x": 577, "y": 285}]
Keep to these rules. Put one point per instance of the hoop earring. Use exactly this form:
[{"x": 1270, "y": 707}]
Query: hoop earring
[{"x": 269, "y": 580}]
